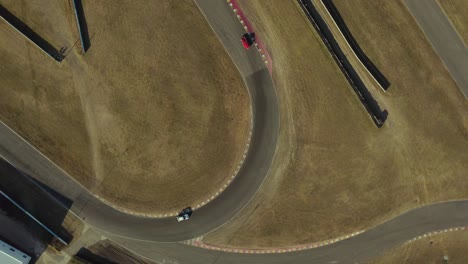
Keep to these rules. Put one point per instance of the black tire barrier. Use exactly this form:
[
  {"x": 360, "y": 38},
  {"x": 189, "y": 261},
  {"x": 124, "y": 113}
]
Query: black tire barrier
[
  {"x": 28, "y": 33},
  {"x": 82, "y": 25},
  {"x": 373, "y": 70},
  {"x": 370, "y": 104}
]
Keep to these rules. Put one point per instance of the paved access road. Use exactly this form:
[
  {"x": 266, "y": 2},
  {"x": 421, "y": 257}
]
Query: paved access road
[
  {"x": 123, "y": 228},
  {"x": 443, "y": 37},
  {"x": 252, "y": 174}
]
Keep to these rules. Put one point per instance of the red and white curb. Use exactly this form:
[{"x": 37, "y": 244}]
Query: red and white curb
[
  {"x": 197, "y": 206},
  {"x": 125, "y": 210},
  {"x": 197, "y": 242},
  {"x": 267, "y": 59},
  {"x": 248, "y": 28},
  {"x": 239, "y": 166},
  {"x": 438, "y": 232},
  {"x": 214, "y": 195}
]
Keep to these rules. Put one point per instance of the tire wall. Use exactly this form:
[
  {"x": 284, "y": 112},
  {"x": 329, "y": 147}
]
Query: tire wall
[
  {"x": 373, "y": 70},
  {"x": 371, "y": 106}
]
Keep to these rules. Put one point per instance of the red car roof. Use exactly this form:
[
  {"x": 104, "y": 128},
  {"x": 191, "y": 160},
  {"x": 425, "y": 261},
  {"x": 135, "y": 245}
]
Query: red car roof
[{"x": 245, "y": 43}]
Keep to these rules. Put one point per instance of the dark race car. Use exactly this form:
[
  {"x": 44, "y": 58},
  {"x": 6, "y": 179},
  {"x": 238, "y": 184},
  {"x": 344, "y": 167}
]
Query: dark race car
[
  {"x": 248, "y": 39},
  {"x": 184, "y": 214}
]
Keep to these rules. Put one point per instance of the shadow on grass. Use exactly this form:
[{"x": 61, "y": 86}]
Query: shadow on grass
[
  {"x": 27, "y": 32},
  {"x": 82, "y": 25},
  {"x": 87, "y": 255},
  {"x": 383, "y": 82},
  {"x": 377, "y": 115},
  {"x": 43, "y": 203}
]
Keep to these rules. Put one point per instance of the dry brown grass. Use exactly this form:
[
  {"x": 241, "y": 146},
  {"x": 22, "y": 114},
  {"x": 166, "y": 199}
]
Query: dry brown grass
[
  {"x": 429, "y": 250},
  {"x": 49, "y": 18},
  {"x": 38, "y": 99},
  {"x": 117, "y": 254},
  {"x": 73, "y": 225},
  {"x": 367, "y": 79},
  {"x": 456, "y": 11},
  {"x": 334, "y": 172},
  {"x": 151, "y": 118}
]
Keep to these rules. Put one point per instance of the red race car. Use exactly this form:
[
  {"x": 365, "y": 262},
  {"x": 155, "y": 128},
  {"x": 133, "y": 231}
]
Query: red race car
[{"x": 248, "y": 39}]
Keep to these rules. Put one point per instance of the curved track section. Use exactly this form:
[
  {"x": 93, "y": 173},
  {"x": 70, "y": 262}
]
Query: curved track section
[
  {"x": 244, "y": 186},
  {"x": 138, "y": 234},
  {"x": 353, "y": 250}
]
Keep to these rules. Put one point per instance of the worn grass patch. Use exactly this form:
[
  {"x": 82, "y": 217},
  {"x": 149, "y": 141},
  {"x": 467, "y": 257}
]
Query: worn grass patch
[{"x": 152, "y": 118}]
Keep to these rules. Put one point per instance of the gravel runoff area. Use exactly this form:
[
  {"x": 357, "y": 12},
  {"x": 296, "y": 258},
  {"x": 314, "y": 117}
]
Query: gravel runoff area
[
  {"x": 151, "y": 118},
  {"x": 334, "y": 173},
  {"x": 445, "y": 247}
]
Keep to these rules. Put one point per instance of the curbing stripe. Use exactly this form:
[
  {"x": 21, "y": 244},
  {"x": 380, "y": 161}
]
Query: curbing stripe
[
  {"x": 200, "y": 243},
  {"x": 233, "y": 4}
]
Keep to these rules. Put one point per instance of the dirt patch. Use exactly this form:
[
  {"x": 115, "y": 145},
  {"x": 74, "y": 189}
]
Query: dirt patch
[
  {"x": 334, "y": 173},
  {"x": 153, "y": 118},
  {"x": 430, "y": 250},
  {"x": 456, "y": 11},
  {"x": 113, "y": 253},
  {"x": 73, "y": 225}
]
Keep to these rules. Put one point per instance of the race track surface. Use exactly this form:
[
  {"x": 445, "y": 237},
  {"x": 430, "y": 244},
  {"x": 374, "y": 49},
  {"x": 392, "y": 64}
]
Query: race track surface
[
  {"x": 251, "y": 175},
  {"x": 444, "y": 39},
  {"x": 353, "y": 250},
  {"x": 144, "y": 236}
]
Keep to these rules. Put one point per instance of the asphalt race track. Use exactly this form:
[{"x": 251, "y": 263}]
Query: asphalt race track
[
  {"x": 217, "y": 212},
  {"x": 444, "y": 39},
  {"x": 146, "y": 236},
  {"x": 353, "y": 250}
]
